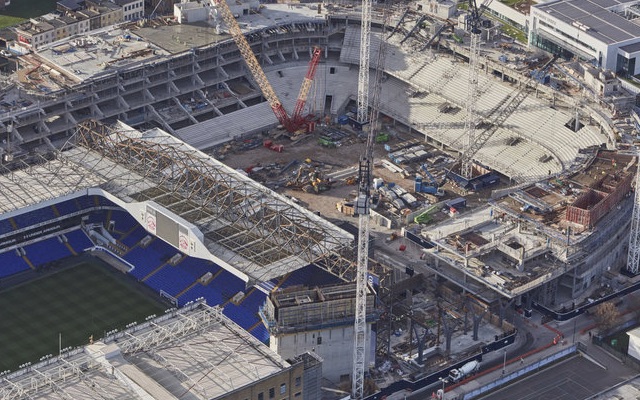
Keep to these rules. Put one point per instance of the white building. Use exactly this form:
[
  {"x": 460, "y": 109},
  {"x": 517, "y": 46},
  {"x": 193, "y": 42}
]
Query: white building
[
  {"x": 440, "y": 8},
  {"x": 604, "y": 32},
  {"x": 200, "y": 10},
  {"x": 131, "y": 9},
  {"x": 508, "y": 14},
  {"x": 319, "y": 321}
]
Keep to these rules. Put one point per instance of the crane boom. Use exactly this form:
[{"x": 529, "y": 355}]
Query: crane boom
[
  {"x": 253, "y": 64},
  {"x": 297, "y": 118}
]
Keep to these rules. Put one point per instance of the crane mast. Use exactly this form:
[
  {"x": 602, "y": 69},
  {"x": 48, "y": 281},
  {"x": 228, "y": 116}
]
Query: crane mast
[
  {"x": 633, "y": 256},
  {"x": 466, "y": 164},
  {"x": 362, "y": 209}
]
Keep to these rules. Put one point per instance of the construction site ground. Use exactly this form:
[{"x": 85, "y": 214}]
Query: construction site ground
[
  {"x": 250, "y": 155},
  {"x": 328, "y": 160}
]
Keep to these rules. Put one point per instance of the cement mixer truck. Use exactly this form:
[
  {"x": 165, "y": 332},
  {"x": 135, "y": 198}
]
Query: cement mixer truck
[{"x": 458, "y": 374}]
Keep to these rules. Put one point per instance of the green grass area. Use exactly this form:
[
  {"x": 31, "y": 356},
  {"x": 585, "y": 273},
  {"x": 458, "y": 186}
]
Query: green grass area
[
  {"x": 30, "y": 8},
  {"x": 515, "y": 33},
  {"x": 510, "y": 3},
  {"x": 7, "y": 20},
  {"x": 20, "y": 10},
  {"x": 87, "y": 299}
]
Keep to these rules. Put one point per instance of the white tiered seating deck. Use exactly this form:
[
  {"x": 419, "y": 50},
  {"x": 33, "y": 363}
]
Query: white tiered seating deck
[
  {"x": 221, "y": 129},
  {"x": 541, "y": 128}
]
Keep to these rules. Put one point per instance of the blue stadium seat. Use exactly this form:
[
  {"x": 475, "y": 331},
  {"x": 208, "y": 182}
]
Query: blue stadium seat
[
  {"x": 144, "y": 261},
  {"x": 5, "y": 226},
  {"x": 45, "y": 251},
  {"x": 103, "y": 201},
  {"x": 210, "y": 293},
  {"x": 197, "y": 267},
  {"x": 170, "y": 279},
  {"x": 34, "y": 217},
  {"x": 96, "y": 217},
  {"x": 124, "y": 221},
  {"x": 254, "y": 301},
  {"x": 310, "y": 276},
  {"x": 261, "y": 333},
  {"x": 132, "y": 238},
  {"x": 228, "y": 284},
  {"x": 240, "y": 316},
  {"x": 78, "y": 240},
  {"x": 11, "y": 264},
  {"x": 67, "y": 207},
  {"x": 84, "y": 202}
]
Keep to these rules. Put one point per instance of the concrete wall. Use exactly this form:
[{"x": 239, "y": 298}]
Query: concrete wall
[
  {"x": 283, "y": 385},
  {"x": 334, "y": 345}
]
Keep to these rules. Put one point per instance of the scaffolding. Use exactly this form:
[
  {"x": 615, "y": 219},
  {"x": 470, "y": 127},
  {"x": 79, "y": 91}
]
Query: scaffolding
[{"x": 245, "y": 224}]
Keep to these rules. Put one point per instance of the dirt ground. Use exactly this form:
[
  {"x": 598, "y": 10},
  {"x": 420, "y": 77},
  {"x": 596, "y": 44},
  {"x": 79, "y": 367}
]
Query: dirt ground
[{"x": 328, "y": 159}]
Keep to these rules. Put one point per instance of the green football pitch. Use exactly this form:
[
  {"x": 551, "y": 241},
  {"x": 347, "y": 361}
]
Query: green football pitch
[{"x": 74, "y": 303}]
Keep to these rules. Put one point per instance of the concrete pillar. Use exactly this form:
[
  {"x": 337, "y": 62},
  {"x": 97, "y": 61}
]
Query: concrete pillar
[
  {"x": 503, "y": 305},
  {"x": 448, "y": 329}
]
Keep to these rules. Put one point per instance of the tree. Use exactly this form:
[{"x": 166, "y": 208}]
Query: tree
[{"x": 606, "y": 316}]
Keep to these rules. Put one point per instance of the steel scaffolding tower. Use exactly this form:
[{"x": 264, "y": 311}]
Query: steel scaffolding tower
[
  {"x": 363, "y": 72},
  {"x": 633, "y": 259},
  {"x": 362, "y": 209},
  {"x": 466, "y": 166}
]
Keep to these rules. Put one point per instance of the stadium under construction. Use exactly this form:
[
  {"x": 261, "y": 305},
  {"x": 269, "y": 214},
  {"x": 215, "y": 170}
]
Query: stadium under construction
[{"x": 107, "y": 150}]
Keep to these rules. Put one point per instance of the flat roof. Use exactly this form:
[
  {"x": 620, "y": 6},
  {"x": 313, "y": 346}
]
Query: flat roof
[
  {"x": 181, "y": 37},
  {"x": 99, "y": 52},
  {"x": 604, "y": 24},
  {"x": 209, "y": 353},
  {"x": 102, "y": 51},
  {"x": 631, "y": 48}
]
